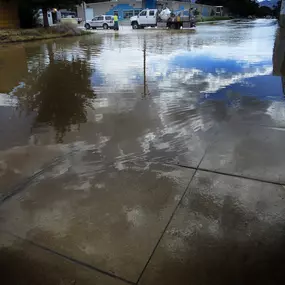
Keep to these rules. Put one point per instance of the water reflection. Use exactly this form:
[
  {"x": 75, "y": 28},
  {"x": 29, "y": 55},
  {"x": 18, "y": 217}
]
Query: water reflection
[
  {"x": 90, "y": 89},
  {"x": 203, "y": 63},
  {"x": 145, "y": 89},
  {"x": 13, "y": 67},
  {"x": 58, "y": 93}
]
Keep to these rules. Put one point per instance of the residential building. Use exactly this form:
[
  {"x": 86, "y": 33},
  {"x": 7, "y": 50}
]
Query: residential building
[{"x": 9, "y": 17}]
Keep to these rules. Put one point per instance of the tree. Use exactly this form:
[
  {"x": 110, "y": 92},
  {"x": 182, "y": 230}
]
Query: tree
[
  {"x": 28, "y": 15},
  {"x": 264, "y": 11},
  {"x": 237, "y": 7},
  {"x": 48, "y": 4},
  {"x": 276, "y": 10}
]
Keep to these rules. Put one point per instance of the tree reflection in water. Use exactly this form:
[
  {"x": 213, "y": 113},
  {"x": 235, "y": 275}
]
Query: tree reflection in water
[{"x": 58, "y": 95}]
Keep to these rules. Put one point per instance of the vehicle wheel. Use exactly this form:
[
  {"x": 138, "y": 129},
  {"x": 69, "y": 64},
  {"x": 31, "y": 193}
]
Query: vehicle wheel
[
  {"x": 135, "y": 25},
  {"x": 87, "y": 26},
  {"x": 105, "y": 27}
]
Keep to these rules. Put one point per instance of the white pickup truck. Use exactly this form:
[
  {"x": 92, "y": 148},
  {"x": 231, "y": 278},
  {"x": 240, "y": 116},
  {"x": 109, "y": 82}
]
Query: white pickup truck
[{"x": 151, "y": 18}]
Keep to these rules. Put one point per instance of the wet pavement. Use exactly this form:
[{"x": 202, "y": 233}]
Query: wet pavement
[{"x": 144, "y": 157}]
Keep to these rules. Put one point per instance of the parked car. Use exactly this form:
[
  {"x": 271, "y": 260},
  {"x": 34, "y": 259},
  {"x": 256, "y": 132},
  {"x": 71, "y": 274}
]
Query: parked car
[{"x": 103, "y": 21}]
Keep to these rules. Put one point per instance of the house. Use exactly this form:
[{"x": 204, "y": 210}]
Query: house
[{"x": 9, "y": 18}]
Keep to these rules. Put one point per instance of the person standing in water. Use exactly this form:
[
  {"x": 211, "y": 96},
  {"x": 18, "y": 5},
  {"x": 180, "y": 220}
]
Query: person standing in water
[{"x": 116, "y": 22}]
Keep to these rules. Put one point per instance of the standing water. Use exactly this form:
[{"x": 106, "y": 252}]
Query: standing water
[{"x": 152, "y": 94}]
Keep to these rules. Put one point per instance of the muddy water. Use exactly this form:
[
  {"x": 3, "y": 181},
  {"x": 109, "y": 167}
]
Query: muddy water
[{"x": 157, "y": 95}]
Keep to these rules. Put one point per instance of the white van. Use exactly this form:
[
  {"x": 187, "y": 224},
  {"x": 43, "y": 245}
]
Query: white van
[{"x": 103, "y": 21}]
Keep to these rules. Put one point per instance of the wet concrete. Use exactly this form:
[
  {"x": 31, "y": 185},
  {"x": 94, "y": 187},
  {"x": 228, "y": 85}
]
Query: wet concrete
[
  {"x": 109, "y": 217},
  {"x": 226, "y": 231},
  {"x": 248, "y": 151},
  {"x": 101, "y": 137},
  {"x": 22, "y": 263}
]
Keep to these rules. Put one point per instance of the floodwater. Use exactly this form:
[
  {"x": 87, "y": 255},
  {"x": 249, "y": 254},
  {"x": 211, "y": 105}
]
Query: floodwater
[
  {"x": 144, "y": 157},
  {"x": 150, "y": 93}
]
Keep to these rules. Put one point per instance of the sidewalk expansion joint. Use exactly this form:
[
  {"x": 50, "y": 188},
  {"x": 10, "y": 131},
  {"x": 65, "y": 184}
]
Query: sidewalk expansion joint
[{"x": 71, "y": 259}]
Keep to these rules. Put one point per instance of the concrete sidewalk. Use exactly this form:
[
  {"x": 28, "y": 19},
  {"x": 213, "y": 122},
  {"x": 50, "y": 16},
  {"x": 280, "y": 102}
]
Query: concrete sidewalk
[{"x": 82, "y": 221}]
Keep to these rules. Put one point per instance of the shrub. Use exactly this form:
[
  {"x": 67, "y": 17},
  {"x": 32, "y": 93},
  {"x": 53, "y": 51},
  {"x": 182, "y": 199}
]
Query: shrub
[
  {"x": 66, "y": 28},
  {"x": 30, "y": 32}
]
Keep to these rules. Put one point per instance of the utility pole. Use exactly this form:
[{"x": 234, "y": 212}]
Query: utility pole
[{"x": 282, "y": 14}]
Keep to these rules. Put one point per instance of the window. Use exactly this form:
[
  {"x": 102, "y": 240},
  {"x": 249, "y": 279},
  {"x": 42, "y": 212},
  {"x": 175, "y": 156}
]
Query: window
[
  {"x": 100, "y": 18},
  {"x": 128, "y": 14},
  {"x": 108, "y": 18},
  {"x": 143, "y": 13},
  {"x": 137, "y": 12},
  {"x": 151, "y": 12}
]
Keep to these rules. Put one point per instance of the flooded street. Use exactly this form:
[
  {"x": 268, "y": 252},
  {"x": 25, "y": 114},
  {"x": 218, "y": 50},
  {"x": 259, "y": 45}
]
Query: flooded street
[{"x": 145, "y": 157}]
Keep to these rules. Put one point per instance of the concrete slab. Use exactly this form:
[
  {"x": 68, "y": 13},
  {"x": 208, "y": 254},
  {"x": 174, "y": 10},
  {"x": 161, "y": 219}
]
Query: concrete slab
[
  {"x": 226, "y": 231},
  {"x": 22, "y": 263},
  {"x": 19, "y": 163},
  {"x": 249, "y": 151},
  {"x": 15, "y": 128},
  {"x": 108, "y": 216},
  {"x": 259, "y": 112}
]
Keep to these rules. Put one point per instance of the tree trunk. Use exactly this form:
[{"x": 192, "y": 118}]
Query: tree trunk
[
  {"x": 282, "y": 14},
  {"x": 45, "y": 17}
]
